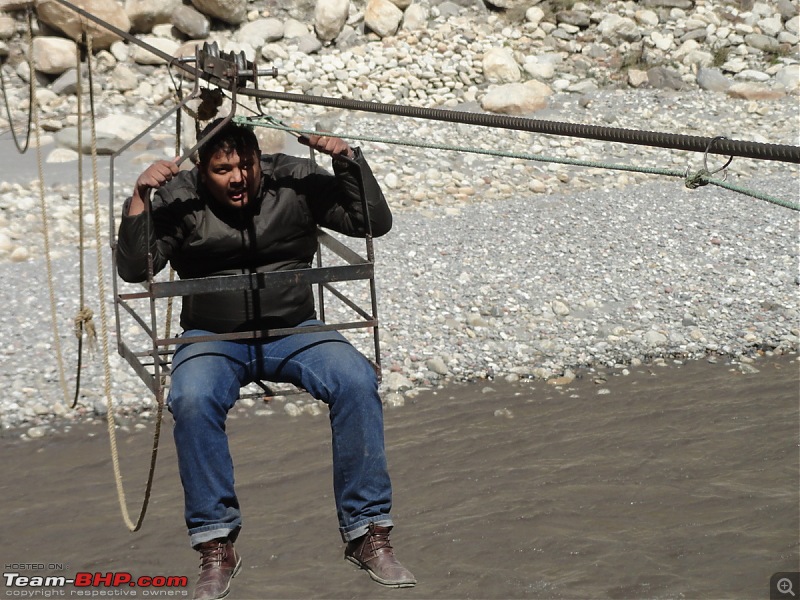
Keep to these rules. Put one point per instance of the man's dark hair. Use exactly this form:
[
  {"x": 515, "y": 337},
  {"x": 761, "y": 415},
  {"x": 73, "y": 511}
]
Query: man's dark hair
[{"x": 232, "y": 136}]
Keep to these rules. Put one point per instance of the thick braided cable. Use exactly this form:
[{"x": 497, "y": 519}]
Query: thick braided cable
[{"x": 699, "y": 179}]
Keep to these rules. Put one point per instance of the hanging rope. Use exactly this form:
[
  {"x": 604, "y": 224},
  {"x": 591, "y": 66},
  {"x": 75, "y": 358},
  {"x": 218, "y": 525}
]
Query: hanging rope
[
  {"x": 46, "y": 230},
  {"x": 110, "y": 419},
  {"x": 22, "y": 148}
]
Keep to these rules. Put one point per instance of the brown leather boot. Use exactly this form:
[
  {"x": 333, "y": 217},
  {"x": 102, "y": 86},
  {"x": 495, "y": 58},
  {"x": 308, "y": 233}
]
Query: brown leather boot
[
  {"x": 219, "y": 563},
  {"x": 373, "y": 553}
]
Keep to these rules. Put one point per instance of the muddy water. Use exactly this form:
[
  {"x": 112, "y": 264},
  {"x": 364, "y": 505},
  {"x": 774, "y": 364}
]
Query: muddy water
[{"x": 670, "y": 482}]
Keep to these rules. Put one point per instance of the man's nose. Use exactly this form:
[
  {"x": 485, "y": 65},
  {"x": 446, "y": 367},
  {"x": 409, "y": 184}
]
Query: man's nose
[{"x": 236, "y": 175}]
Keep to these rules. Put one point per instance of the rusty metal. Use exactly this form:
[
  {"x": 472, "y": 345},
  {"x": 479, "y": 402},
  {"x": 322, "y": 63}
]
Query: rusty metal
[{"x": 152, "y": 365}]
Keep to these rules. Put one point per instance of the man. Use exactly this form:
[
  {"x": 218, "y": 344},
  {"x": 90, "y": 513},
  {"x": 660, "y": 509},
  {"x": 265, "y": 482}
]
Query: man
[{"x": 238, "y": 212}]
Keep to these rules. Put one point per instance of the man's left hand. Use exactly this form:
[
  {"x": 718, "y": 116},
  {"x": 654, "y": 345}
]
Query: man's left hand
[{"x": 326, "y": 144}]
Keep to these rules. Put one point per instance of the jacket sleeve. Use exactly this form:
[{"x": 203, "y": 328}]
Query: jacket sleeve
[
  {"x": 165, "y": 234},
  {"x": 336, "y": 201}
]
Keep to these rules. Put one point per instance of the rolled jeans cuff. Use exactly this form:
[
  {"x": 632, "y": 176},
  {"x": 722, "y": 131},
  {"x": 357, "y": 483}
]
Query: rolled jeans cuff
[
  {"x": 353, "y": 532},
  {"x": 208, "y": 533}
]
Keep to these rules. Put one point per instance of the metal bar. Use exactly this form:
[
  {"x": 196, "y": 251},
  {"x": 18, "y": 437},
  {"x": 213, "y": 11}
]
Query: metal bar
[
  {"x": 338, "y": 248},
  {"x": 259, "y": 281},
  {"x": 265, "y": 333},
  {"x": 345, "y": 300}
]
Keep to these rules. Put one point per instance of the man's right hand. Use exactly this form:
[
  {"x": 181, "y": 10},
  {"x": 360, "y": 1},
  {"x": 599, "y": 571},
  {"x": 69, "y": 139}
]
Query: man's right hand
[{"x": 153, "y": 177}]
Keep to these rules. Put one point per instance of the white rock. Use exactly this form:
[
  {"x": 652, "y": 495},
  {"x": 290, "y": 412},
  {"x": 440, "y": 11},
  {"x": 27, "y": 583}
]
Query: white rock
[
  {"x": 20, "y": 254},
  {"x": 143, "y": 56},
  {"x": 499, "y": 66},
  {"x": 259, "y": 32},
  {"x": 53, "y": 55},
  {"x": 62, "y": 155},
  {"x": 383, "y": 17},
  {"x": 230, "y": 11},
  {"x": 330, "y": 17},
  {"x": 415, "y": 17}
]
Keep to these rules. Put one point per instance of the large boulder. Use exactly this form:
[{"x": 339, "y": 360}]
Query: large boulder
[
  {"x": 330, "y": 17},
  {"x": 383, "y": 17},
  {"x": 73, "y": 25},
  {"x": 53, "y": 55},
  {"x": 229, "y": 11},
  {"x": 516, "y": 98},
  {"x": 144, "y": 14}
]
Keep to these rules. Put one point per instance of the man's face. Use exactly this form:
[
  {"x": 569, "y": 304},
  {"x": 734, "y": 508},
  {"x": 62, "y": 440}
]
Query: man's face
[{"x": 233, "y": 180}]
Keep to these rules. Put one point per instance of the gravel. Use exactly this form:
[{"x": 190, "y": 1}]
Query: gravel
[{"x": 496, "y": 267}]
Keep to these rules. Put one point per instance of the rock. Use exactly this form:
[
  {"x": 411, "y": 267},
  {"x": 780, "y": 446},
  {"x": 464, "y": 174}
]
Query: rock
[
  {"x": 330, "y": 17},
  {"x": 123, "y": 78},
  {"x": 514, "y": 99},
  {"x": 191, "y": 22},
  {"x": 383, "y": 17},
  {"x": 789, "y": 78},
  {"x": 754, "y": 91},
  {"x": 73, "y": 25},
  {"x": 654, "y": 338},
  {"x": 415, "y": 17},
  {"x": 712, "y": 80},
  {"x": 293, "y": 28},
  {"x": 144, "y": 14},
  {"x": 499, "y": 66},
  {"x": 559, "y": 308},
  {"x": 613, "y": 28},
  {"x": 62, "y": 155},
  {"x": 20, "y": 254},
  {"x": 36, "y": 432},
  {"x": 67, "y": 82},
  {"x": 8, "y": 27},
  {"x": 53, "y": 55},
  {"x": 396, "y": 382},
  {"x": 229, "y": 11},
  {"x": 437, "y": 365},
  {"x": 259, "y": 32},
  {"x": 5, "y": 243},
  {"x": 665, "y": 78},
  {"x": 143, "y": 56},
  {"x": 637, "y": 78}
]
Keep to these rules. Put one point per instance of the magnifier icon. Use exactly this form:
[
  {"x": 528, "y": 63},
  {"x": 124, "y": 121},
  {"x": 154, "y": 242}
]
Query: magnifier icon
[{"x": 784, "y": 586}]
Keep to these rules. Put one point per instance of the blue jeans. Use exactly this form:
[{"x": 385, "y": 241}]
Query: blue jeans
[{"x": 206, "y": 378}]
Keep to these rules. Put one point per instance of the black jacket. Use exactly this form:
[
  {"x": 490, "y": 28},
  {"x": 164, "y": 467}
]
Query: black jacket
[{"x": 277, "y": 231}]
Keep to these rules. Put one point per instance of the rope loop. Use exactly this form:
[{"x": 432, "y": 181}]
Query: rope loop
[
  {"x": 83, "y": 322},
  {"x": 695, "y": 180}
]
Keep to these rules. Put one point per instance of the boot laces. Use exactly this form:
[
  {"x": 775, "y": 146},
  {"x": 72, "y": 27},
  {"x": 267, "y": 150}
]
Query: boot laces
[{"x": 212, "y": 555}]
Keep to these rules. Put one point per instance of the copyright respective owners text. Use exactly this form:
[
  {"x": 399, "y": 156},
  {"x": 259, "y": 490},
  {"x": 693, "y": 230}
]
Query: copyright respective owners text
[
  {"x": 59, "y": 580},
  {"x": 783, "y": 585}
]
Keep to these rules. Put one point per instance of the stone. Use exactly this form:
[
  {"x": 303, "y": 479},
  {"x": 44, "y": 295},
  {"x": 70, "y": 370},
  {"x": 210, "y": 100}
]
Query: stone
[
  {"x": 712, "y": 79},
  {"x": 73, "y": 25},
  {"x": 665, "y": 78},
  {"x": 145, "y": 14},
  {"x": 143, "y": 56},
  {"x": 499, "y": 66},
  {"x": 330, "y": 17},
  {"x": 191, "y": 22},
  {"x": 53, "y": 55},
  {"x": 415, "y": 17},
  {"x": 233, "y": 12},
  {"x": 614, "y": 27},
  {"x": 259, "y": 32},
  {"x": 754, "y": 91},
  {"x": 515, "y": 99},
  {"x": 382, "y": 17}
]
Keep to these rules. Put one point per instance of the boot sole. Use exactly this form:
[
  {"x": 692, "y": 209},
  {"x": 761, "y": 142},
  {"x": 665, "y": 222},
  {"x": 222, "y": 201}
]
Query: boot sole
[{"x": 377, "y": 579}]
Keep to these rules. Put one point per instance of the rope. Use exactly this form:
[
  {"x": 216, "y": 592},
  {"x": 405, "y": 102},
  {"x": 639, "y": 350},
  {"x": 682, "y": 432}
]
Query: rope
[
  {"x": 112, "y": 434},
  {"x": 22, "y": 148},
  {"x": 46, "y": 231},
  {"x": 693, "y": 181}
]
